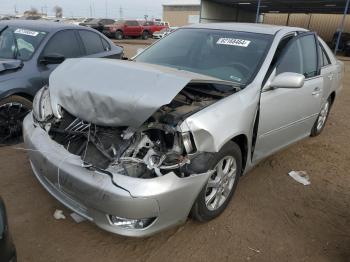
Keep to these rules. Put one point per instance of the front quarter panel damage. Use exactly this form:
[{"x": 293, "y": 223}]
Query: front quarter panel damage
[{"x": 215, "y": 125}]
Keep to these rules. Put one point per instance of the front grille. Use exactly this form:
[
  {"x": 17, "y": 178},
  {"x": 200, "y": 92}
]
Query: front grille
[{"x": 96, "y": 145}]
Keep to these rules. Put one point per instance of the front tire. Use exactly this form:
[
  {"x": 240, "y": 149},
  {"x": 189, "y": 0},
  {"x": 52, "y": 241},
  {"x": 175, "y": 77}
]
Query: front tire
[
  {"x": 321, "y": 119},
  {"x": 13, "y": 109},
  {"x": 118, "y": 35},
  {"x": 221, "y": 185}
]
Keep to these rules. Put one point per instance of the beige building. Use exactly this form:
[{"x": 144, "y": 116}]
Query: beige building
[
  {"x": 181, "y": 12},
  {"x": 324, "y": 24}
]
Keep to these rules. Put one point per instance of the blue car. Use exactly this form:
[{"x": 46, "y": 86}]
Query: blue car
[{"x": 29, "y": 52}]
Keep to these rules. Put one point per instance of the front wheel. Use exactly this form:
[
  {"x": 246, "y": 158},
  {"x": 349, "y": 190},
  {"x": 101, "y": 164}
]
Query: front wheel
[
  {"x": 321, "y": 119},
  {"x": 13, "y": 109},
  {"x": 118, "y": 35},
  {"x": 221, "y": 185}
]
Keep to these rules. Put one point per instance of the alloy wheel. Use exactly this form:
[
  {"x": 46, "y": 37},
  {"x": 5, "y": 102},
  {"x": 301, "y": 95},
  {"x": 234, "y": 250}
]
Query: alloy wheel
[
  {"x": 11, "y": 117},
  {"x": 221, "y": 183},
  {"x": 322, "y": 116}
]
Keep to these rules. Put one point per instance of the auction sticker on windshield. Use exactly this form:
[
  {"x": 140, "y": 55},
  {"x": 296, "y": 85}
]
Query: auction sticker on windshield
[
  {"x": 233, "y": 41},
  {"x": 26, "y": 32}
]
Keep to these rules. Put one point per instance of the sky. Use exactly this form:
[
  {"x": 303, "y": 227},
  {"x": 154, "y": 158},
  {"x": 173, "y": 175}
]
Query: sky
[{"x": 130, "y": 8}]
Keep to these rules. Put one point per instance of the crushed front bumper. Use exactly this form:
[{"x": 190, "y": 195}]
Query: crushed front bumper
[{"x": 96, "y": 195}]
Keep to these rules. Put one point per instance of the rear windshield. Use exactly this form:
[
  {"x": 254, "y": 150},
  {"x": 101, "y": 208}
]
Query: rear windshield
[{"x": 227, "y": 55}]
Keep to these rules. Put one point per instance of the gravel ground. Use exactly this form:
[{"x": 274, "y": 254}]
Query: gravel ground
[{"x": 271, "y": 218}]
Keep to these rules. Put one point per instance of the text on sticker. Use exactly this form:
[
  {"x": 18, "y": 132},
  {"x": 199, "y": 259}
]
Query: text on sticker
[
  {"x": 26, "y": 32},
  {"x": 233, "y": 41}
]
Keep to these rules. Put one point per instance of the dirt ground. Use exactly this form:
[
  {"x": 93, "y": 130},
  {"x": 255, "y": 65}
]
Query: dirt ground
[{"x": 271, "y": 217}]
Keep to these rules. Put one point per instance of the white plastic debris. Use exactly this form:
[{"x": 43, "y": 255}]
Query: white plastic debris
[
  {"x": 300, "y": 176},
  {"x": 77, "y": 218},
  {"x": 255, "y": 250},
  {"x": 59, "y": 214}
]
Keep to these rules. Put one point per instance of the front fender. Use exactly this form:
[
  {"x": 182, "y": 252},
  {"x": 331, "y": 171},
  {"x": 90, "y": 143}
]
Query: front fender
[{"x": 217, "y": 124}]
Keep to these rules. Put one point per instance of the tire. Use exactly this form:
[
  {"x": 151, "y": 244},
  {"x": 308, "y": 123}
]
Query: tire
[
  {"x": 145, "y": 35},
  {"x": 322, "y": 118},
  {"x": 13, "y": 109},
  {"x": 207, "y": 206},
  {"x": 118, "y": 35},
  {"x": 347, "y": 52}
]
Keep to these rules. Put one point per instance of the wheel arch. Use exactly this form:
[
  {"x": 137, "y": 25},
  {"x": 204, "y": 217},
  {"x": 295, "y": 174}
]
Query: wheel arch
[
  {"x": 242, "y": 142},
  {"x": 332, "y": 96},
  {"x": 18, "y": 93}
]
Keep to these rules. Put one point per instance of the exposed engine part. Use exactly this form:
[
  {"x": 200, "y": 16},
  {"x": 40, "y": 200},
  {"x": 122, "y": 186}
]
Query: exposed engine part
[
  {"x": 140, "y": 153},
  {"x": 155, "y": 148}
]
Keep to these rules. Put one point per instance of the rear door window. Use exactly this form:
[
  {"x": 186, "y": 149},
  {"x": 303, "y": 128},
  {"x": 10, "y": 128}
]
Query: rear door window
[
  {"x": 309, "y": 54},
  {"x": 131, "y": 23},
  {"x": 92, "y": 42}
]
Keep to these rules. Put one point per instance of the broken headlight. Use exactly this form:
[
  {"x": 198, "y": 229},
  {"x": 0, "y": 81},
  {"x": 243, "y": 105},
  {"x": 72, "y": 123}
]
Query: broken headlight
[
  {"x": 131, "y": 223},
  {"x": 42, "y": 109},
  {"x": 188, "y": 142}
]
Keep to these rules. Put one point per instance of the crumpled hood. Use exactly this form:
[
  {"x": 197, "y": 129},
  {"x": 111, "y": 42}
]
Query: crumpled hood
[
  {"x": 8, "y": 64},
  {"x": 114, "y": 92}
]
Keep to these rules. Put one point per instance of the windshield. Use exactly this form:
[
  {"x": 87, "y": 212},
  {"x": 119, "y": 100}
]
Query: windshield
[
  {"x": 94, "y": 21},
  {"x": 19, "y": 43},
  {"x": 227, "y": 55}
]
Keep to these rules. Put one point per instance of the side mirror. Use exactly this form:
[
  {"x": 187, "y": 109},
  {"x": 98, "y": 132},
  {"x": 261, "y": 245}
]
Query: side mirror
[
  {"x": 52, "y": 59},
  {"x": 288, "y": 80}
]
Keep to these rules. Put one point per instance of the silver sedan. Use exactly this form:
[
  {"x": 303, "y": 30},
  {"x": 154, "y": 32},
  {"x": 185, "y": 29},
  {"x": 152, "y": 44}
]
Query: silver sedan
[{"x": 138, "y": 146}]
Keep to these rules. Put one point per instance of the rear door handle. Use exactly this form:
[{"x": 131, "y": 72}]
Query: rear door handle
[{"x": 316, "y": 91}]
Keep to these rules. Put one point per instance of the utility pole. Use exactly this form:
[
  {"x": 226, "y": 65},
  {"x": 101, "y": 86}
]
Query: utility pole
[
  {"x": 90, "y": 11},
  {"x": 121, "y": 13},
  {"x": 16, "y": 10},
  {"x": 106, "y": 7}
]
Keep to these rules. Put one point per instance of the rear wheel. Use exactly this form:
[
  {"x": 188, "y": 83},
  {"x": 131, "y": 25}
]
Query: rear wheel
[
  {"x": 221, "y": 185},
  {"x": 118, "y": 35},
  {"x": 145, "y": 35},
  {"x": 322, "y": 118},
  {"x": 13, "y": 109}
]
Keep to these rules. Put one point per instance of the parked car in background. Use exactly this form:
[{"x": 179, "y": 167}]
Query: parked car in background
[
  {"x": 98, "y": 24},
  {"x": 132, "y": 28},
  {"x": 186, "y": 118},
  {"x": 347, "y": 48},
  {"x": 78, "y": 21},
  {"x": 343, "y": 43},
  {"x": 164, "y": 32},
  {"x": 29, "y": 52},
  {"x": 7, "y": 248}
]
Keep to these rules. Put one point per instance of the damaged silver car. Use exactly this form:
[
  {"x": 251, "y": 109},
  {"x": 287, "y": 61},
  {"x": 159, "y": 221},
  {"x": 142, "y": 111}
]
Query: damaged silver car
[{"x": 138, "y": 146}]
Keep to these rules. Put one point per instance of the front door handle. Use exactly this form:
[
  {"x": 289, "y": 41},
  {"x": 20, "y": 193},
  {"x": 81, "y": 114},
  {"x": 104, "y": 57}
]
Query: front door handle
[{"x": 316, "y": 91}]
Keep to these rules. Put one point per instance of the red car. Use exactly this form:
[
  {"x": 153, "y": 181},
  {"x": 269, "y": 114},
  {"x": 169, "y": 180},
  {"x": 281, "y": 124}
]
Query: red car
[{"x": 132, "y": 28}]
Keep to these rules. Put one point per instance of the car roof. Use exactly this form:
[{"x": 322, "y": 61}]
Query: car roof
[
  {"x": 39, "y": 25},
  {"x": 246, "y": 27}
]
